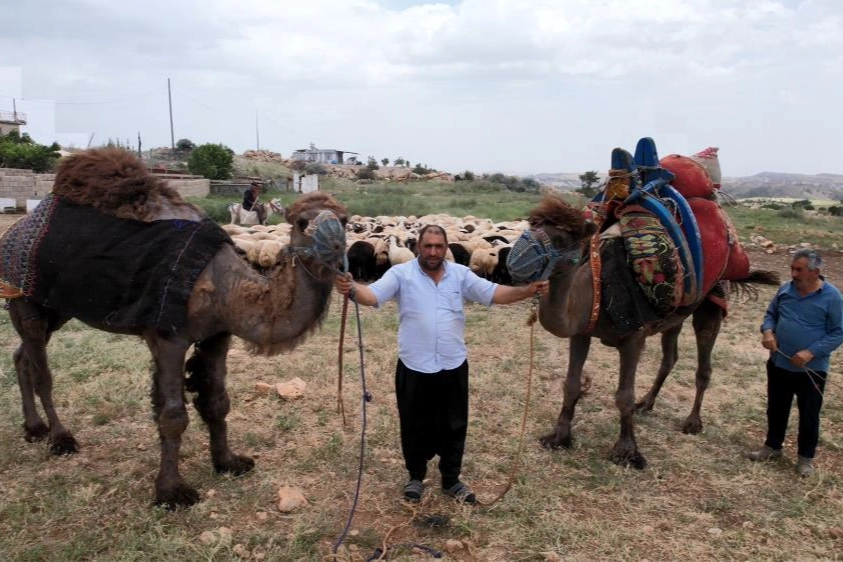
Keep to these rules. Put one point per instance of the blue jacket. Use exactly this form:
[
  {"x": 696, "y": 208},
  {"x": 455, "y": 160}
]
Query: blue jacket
[{"x": 813, "y": 322}]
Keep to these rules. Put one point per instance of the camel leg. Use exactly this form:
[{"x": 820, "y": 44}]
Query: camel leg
[
  {"x": 207, "y": 378},
  {"x": 670, "y": 355},
  {"x": 170, "y": 413},
  {"x": 708, "y": 318},
  {"x": 561, "y": 435},
  {"x": 34, "y": 326},
  {"x": 625, "y": 451}
]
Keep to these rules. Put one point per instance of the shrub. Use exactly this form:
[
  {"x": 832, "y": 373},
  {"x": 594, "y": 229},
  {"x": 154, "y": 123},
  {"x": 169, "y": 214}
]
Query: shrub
[
  {"x": 299, "y": 165},
  {"x": 365, "y": 173},
  {"x": 20, "y": 151},
  {"x": 372, "y": 164},
  {"x": 792, "y": 213},
  {"x": 316, "y": 168},
  {"x": 468, "y": 175},
  {"x": 213, "y": 161}
]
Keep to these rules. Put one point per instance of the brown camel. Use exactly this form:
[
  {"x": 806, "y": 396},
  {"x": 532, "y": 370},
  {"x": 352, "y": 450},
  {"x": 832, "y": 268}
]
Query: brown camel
[
  {"x": 566, "y": 310},
  {"x": 273, "y": 310}
]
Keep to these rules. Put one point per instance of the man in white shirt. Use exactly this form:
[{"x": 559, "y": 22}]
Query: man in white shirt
[{"x": 431, "y": 377}]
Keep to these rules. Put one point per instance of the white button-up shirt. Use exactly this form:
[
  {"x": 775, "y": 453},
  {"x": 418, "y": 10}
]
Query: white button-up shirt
[{"x": 431, "y": 319}]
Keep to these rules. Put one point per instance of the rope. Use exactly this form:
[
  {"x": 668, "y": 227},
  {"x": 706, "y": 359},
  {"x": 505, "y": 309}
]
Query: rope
[
  {"x": 596, "y": 285},
  {"x": 811, "y": 374},
  {"x": 340, "y": 404},
  {"x": 516, "y": 461},
  {"x": 366, "y": 399}
]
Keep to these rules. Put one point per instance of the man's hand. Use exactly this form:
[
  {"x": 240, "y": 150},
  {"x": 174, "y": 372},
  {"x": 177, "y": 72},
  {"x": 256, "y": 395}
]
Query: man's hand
[
  {"x": 801, "y": 358},
  {"x": 768, "y": 340},
  {"x": 344, "y": 283},
  {"x": 540, "y": 288}
]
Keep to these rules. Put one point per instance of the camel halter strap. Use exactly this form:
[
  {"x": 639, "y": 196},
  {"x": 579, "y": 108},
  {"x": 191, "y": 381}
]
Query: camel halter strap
[
  {"x": 328, "y": 235},
  {"x": 533, "y": 256}
]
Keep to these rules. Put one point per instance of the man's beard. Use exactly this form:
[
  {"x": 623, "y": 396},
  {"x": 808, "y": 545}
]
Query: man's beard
[{"x": 427, "y": 267}]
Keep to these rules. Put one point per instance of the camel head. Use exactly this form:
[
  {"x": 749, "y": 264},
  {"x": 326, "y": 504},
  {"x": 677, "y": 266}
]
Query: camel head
[
  {"x": 554, "y": 239},
  {"x": 318, "y": 233}
]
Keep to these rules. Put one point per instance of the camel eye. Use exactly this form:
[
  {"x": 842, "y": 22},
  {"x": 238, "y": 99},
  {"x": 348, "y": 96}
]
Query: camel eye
[{"x": 302, "y": 224}]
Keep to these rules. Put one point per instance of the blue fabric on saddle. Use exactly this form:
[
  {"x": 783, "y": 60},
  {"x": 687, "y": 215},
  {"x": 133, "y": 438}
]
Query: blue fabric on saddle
[{"x": 668, "y": 228}]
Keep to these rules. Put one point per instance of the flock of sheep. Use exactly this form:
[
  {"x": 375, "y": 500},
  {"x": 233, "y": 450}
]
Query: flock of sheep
[{"x": 374, "y": 244}]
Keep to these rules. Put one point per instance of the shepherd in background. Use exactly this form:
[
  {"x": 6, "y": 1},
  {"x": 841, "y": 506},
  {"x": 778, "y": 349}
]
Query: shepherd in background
[
  {"x": 250, "y": 201},
  {"x": 802, "y": 327}
]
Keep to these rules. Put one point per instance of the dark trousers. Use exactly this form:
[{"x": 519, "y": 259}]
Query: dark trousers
[
  {"x": 433, "y": 411},
  {"x": 808, "y": 388}
]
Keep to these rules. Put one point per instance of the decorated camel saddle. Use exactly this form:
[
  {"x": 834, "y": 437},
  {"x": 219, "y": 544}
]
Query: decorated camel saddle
[
  {"x": 122, "y": 249},
  {"x": 678, "y": 241}
]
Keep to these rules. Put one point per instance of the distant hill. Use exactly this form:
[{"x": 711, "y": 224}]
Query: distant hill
[{"x": 765, "y": 184}]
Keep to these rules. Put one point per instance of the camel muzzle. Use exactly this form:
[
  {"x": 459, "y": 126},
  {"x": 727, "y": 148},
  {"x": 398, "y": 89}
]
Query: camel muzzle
[
  {"x": 533, "y": 257},
  {"x": 328, "y": 235}
]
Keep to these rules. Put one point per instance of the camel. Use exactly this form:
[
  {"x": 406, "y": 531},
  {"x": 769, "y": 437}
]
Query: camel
[
  {"x": 259, "y": 215},
  {"x": 566, "y": 313},
  {"x": 273, "y": 310}
]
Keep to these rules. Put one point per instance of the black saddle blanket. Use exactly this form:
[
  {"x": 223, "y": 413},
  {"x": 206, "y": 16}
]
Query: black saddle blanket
[{"x": 106, "y": 271}]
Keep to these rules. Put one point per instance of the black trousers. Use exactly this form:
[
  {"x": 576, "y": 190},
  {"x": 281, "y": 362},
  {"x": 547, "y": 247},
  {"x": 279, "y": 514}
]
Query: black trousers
[
  {"x": 808, "y": 388},
  {"x": 433, "y": 411}
]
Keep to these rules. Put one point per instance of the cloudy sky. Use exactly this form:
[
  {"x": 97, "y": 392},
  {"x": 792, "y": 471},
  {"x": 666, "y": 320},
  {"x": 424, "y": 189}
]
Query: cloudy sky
[{"x": 519, "y": 86}]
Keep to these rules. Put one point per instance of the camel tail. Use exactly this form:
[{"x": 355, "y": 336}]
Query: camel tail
[{"x": 746, "y": 289}]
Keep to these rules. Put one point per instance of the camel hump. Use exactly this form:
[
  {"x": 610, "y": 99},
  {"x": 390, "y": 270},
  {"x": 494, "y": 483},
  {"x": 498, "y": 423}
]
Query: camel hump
[{"x": 117, "y": 182}]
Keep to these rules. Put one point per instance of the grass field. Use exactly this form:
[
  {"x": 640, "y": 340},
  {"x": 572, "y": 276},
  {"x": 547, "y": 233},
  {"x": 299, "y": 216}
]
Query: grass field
[{"x": 697, "y": 500}]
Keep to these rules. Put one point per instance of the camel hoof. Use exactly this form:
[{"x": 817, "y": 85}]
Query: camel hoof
[
  {"x": 63, "y": 444},
  {"x": 625, "y": 458},
  {"x": 36, "y": 433},
  {"x": 239, "y": 464},
  {"x": 554, "y": 441},
  {"x": 644, "y": 406},
  {"x": 178, "y": 497},
  {"x": 692, "y": 426}
]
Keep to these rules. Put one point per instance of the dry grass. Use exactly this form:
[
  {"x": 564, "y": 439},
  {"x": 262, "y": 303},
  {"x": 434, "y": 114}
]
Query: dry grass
[{"x": 697, "y": 499}]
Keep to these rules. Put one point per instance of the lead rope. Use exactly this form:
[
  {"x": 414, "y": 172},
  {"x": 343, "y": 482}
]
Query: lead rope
[
  {"x": 531, "y": 322},
  {"x": 379, "y": 553},
  {"x": 811, "y": 374},
  {"x": 366, "y": 399},
  {"x": 340, "y": 404}
]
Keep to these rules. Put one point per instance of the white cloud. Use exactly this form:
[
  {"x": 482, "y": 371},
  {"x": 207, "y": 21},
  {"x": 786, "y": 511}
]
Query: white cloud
[{"x": 514, "y": 85}]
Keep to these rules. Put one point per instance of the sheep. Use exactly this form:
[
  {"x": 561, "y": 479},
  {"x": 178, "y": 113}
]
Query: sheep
[
  {"x": 398, "y": 254},
  {"x": 361, "y": 260}
]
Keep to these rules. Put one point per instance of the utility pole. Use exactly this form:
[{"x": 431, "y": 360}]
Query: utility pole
[
  {"x": 257, "y": 131},
  {"x": 140, "y": 152},
  {"x": 170, "y": 98}
]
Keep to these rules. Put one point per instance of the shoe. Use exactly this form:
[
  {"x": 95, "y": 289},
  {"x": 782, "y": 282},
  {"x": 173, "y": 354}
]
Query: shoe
[
  {"x": 804, "y": 467},
  {"x": 414, "y": 490},
  {"x": 460, "y": 492},
  {"x": 765, "y": 453}
]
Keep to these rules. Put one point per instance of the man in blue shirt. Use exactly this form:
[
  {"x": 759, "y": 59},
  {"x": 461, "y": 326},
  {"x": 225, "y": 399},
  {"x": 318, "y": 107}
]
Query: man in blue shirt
[
  {"x": 431, "y": 377},
  {"x": 802, "y": 327}
]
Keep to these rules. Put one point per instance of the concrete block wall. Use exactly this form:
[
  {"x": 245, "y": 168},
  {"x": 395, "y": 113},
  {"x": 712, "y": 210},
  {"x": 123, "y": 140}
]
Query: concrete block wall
[
  {"x": 21, "y": 185},
  {"x": 197, "y": 187}
]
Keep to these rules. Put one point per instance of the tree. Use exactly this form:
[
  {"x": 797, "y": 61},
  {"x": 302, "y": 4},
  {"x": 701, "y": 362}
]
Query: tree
[
  {"x": 588, "y": 180},
  {"x": 385, "y": 161},
  {"x": 185, "y": 145},
  {"x": 372, "y": 164},
  {"x": 399, "y": 161},
  {"x": 468, "y": 175},
  {"x": 20, "y": 151},
  {"x": 213, "y": 161}
]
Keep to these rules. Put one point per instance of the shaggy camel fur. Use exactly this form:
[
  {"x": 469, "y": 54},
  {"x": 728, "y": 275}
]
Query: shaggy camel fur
[
  {"x": 273, "y": 311},
  {"x": 565, "y": 312}
]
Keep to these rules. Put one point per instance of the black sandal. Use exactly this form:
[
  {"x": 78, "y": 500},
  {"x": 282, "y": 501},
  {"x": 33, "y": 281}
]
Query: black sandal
[
  {"x": 460, "y": 492},
  {"x": 413, "y": 490}
]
